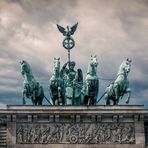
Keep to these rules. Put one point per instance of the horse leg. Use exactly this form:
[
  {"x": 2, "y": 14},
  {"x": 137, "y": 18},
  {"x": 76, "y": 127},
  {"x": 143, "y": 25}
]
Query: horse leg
[
  {"x": 89, "y": 101},
  {"x": 56, "y": 101},
  {"x": 116, "y": 89},
  {"x": 24, "y": 101},
  {"x": 32, "y": 100},
  {"x": 85, "y": 100},
  {"x": 62, "y": 98},
  {"x": 115, "y": 101},
  {"x": 79, "y": 100},
  {"x": 82, "y": 98},
  {"x": 39, "y": 102},
  {"x": 41, "y": 99},
  {"x": 94, "y": 101},
  {"x": 36, "y": 101},
  {"x": 129, "y": 95},
  {"x": 107, "y": 99}
]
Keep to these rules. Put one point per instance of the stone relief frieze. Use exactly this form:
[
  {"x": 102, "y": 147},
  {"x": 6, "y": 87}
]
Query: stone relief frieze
[
  {"x": 2, "y": 120},
  {"x": 75, "y": 133}
]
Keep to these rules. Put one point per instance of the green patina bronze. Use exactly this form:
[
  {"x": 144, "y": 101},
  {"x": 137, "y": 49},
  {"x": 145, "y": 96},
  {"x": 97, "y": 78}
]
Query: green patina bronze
[
  {"x": 66, "y": 85},
  {"x": 116, "y": 90},
  {"x": 31, "y": 88}
]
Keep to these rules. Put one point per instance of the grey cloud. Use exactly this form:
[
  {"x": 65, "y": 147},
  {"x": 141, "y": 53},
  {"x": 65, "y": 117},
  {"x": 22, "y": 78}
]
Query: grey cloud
[
  {"x": 114, "y": 30},
  {"x": 133, "y": 17},
  {"x": 42, "y": 12}
]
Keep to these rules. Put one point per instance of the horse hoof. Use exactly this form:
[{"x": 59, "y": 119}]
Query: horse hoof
[{"x": 127, "y": 102}]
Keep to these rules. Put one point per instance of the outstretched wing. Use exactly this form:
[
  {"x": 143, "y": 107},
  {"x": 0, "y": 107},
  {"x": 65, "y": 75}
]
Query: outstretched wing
[
  {"x": 73, "y": 29},
  {"x": 62, "y": 30}
]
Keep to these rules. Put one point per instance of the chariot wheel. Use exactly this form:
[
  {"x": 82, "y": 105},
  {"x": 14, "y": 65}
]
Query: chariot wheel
[
  {"x": 73, "y": 139},
  {"x": 68, "y": 43}
]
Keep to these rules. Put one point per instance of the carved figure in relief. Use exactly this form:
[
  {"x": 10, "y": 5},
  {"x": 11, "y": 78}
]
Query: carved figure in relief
[
  {"x": 128, "y": 134},
  {"x": 19, "y": 134},
  {"x": 105, "y": 133},
  {"x": 46, "y": 135}
]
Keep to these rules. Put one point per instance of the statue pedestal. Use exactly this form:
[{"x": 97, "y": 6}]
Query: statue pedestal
[{"x": 74, "y": 126}]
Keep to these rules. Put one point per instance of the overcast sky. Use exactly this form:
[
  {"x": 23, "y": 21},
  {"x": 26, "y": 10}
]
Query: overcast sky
[{"x": 112, "y": 29}]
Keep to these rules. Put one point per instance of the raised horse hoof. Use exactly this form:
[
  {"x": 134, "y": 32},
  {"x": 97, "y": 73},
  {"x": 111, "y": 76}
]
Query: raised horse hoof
[{"x": 127, "y": 102}]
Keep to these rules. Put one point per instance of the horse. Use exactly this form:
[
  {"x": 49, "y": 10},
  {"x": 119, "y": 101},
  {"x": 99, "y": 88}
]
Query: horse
[
  {"x": 31, "y": 88},
  {"x": 91, "y": 85},
  {"x": 120, "y": 86},
  {"x": 56, "y": 84}
]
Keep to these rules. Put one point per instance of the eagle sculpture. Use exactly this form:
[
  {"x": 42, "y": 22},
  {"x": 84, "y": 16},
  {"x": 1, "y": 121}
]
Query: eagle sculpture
[{"x": 68, "y": 31}]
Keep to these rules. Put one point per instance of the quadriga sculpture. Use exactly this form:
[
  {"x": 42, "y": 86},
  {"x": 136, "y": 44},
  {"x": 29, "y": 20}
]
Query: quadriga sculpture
[
  {"x": 91, "y": 85},
  {"x": 120, "y": 86},
  {"x": 56, "y": 84},
  {"x": 31, "y": 88}
]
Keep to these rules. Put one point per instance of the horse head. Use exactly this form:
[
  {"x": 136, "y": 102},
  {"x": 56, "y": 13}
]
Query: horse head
[
  {"x": 93, "y": 65},
  {"x": 25, "y": 68},
  {"x": 125, "y": 67},
  {"x": 94, "y": 61},
  {"x": 56, "y": 66}
]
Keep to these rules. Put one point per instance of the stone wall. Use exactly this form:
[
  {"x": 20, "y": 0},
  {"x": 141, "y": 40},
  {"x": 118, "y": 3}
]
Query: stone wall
[{"x": 74, "y": 126}]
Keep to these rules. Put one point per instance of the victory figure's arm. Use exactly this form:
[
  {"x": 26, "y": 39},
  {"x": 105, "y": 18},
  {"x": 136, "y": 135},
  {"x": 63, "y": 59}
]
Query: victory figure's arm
[
  {"x": 64, "y": 66},
  {"x": 64, "y": 69}
]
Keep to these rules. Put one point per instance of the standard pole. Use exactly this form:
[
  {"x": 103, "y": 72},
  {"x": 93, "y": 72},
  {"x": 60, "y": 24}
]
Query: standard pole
[{"x": 69, "y": 57}]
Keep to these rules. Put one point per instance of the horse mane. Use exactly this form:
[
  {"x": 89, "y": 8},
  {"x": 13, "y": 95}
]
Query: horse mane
[
  {"x": 122, "y": 66},
  {"x": 54, "y": 66},
  {"x": 29, "y": 70},
  {"x": 91, "y": 66},
  {"x": 120, "y": 70}
]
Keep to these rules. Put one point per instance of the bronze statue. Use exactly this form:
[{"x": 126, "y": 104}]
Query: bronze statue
[
  {"x": 31, "y": 88},
  {"x": 91, "y": 85},
  {"x": 116, "y": 90},
  {"x": 68, "y": 42}
]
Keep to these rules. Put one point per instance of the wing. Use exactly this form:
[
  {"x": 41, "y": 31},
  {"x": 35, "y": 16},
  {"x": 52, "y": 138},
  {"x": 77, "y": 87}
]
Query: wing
[
  {"x": 61, "y": 29},
  {"x": 73, "y": 29},
  {"x": 80, "y": 75}
]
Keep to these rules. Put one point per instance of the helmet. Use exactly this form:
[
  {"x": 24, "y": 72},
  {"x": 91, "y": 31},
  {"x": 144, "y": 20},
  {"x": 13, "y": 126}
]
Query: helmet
[{"x": 72, "y": 63}]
